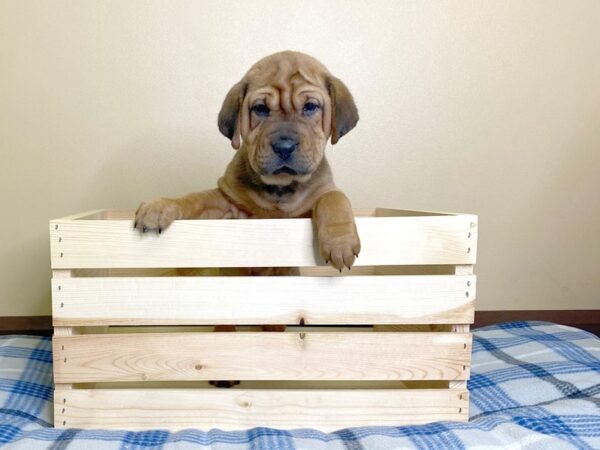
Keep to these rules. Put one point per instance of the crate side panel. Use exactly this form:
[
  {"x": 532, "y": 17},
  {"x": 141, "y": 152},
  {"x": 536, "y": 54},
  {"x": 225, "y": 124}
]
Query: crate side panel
[
  {"x": 79, "y": 244},
  {"x": 434, "y": 299},
  {"x": 262, "y": 356},
  {"x": 236, "y": 409}
]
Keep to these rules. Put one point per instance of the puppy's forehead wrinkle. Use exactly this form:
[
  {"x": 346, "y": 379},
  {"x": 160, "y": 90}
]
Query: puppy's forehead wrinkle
[
  {"x": 282, "y": 97},
  {"x": 286, "y": 69},
  {"x": 285, "y": 75}
]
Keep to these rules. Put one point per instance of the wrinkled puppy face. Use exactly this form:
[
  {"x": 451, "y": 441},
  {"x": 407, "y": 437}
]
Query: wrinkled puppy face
[
  {"x": 284, "y": 122},
  {"x": 284, "y": 110}
]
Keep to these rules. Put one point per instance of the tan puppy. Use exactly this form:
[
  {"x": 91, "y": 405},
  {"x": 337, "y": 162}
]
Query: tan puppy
[{"x": 279, "y": 118}]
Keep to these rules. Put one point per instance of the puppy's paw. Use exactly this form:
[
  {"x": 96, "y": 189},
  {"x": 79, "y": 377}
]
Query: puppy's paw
[
  {"x": 339, "y": 244},
  {"x": 156, "y": 215}
]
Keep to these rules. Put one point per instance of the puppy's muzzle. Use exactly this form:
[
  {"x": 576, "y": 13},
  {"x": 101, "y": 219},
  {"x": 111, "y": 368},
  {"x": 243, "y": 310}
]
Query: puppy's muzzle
[{"x": 284, "y": 147}]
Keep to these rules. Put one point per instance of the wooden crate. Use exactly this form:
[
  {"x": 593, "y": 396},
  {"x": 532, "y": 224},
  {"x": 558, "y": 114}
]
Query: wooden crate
[{"x": 385, "y": 344}]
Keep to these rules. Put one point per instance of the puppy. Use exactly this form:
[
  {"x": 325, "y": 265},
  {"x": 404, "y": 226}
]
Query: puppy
[{"x": 279, "y": 118}]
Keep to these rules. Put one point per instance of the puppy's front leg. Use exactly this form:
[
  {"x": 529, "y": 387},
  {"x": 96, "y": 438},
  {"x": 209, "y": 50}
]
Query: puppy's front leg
[
  {"x": 338, "y": 240},
  {"x": 158, "y": 214}
]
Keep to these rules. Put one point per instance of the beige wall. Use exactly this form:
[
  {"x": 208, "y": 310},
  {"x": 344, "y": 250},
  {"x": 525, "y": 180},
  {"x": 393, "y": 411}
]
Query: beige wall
[{"x": 484, "y": 107}]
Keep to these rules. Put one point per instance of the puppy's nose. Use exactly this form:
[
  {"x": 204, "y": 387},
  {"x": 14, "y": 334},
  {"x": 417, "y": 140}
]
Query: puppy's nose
[{"x": 284, "y": 146}]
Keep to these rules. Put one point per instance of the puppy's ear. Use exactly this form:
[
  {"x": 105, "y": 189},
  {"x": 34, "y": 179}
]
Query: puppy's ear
[
  {"x": 229, "y": 116},
  {"x": 344, "y": 114}
]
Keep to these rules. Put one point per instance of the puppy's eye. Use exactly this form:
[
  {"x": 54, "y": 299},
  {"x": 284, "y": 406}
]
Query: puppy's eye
[
  {"x": 261, "y": 110},
  {"x": 310, "y": 108}
]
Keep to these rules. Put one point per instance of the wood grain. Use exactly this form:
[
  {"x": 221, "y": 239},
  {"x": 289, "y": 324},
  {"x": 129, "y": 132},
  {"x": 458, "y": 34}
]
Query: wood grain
[
  {"x": 238, "y": 409},
  {"x": 435, "y": 299},
  {"x": 262, "y": 356}
]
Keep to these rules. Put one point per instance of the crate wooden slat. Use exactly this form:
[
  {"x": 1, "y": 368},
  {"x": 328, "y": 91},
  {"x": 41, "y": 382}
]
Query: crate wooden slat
[
  {"x": 275, "y": 300},
  {"x": 236, "y": 409},
  {"x": 291, "y": 242},
  {"x": 262, "y": 356}
]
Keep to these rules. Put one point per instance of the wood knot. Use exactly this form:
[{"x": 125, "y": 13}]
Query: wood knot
[
  {"x": 302, "y": 335},
  {"x": 198, "y": 367},
  {"x": 301, "y": 321}
]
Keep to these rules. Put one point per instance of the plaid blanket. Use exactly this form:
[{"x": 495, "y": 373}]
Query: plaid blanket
[{"x": 534, "y": 385}]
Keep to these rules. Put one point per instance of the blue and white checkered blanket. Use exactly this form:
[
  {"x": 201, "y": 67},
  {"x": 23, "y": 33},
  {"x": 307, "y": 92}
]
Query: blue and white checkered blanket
[{"x": 534, "y": 385}]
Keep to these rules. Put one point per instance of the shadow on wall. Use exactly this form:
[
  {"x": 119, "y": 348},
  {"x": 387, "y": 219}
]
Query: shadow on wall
[{"x": 158, "y": 166}]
